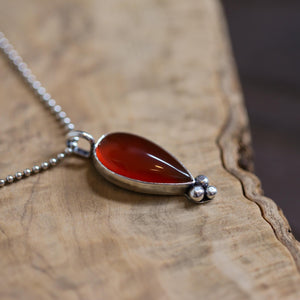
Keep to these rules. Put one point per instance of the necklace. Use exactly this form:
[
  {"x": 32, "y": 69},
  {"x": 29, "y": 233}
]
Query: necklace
[{"x": 125, "y": 159}]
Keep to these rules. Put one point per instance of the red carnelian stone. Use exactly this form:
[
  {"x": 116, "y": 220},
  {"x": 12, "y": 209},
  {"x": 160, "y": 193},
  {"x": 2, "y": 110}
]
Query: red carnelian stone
[{"x": 138, "y": 158}]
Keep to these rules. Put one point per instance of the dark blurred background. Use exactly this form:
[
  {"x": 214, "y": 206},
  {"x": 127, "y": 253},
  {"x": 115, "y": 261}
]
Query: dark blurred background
[{"x": 265, "y": 36}]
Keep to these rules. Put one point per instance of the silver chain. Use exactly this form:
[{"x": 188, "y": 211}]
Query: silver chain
[{"x": 60, "y": 116}]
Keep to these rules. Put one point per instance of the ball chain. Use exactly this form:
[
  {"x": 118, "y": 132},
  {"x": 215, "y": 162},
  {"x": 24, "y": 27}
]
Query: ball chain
[
  {"x": 13, "y": 56},
  {"x": 36, "y": 169}
]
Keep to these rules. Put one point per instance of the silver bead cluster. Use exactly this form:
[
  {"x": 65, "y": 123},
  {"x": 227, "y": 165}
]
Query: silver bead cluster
[
  {"x": 45, "y": 98},
  {"x": 36, "y": 169},
  {"x": 29, "y": 77},
  {"x": 201, "y": 191}
]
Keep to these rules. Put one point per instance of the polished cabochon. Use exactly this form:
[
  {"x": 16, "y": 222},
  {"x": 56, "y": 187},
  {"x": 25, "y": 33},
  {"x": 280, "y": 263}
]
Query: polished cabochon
[{"x": 136, "y": 163}]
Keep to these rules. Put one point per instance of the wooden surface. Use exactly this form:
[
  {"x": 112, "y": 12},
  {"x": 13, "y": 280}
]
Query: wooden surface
[{"x": 161, "y": 69}]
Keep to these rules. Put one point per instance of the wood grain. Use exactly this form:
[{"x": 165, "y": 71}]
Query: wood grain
[{"x": 162, "y": 69}]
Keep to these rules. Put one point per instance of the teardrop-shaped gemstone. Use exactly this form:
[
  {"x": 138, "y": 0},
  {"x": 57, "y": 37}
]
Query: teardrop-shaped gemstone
[{"x": 138, "y": 158}]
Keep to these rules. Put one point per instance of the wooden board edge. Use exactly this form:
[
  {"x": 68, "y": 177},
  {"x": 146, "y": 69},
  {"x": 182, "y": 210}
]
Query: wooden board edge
[{"x": 234, "y": 142}]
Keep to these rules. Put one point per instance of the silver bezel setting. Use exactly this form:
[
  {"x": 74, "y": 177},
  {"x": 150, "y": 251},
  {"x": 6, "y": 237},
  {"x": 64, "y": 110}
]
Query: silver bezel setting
[{"x": 138, "y": 185}]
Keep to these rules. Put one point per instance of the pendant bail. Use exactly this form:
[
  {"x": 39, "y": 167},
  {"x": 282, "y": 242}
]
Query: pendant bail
[{"x": 72, "y": 142}]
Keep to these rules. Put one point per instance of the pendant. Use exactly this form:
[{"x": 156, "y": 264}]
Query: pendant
[{"x": 135, "y": 163}]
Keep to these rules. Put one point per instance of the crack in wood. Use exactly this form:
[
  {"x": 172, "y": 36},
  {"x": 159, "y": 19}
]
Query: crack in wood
[{"x": 234, "y": 143}]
